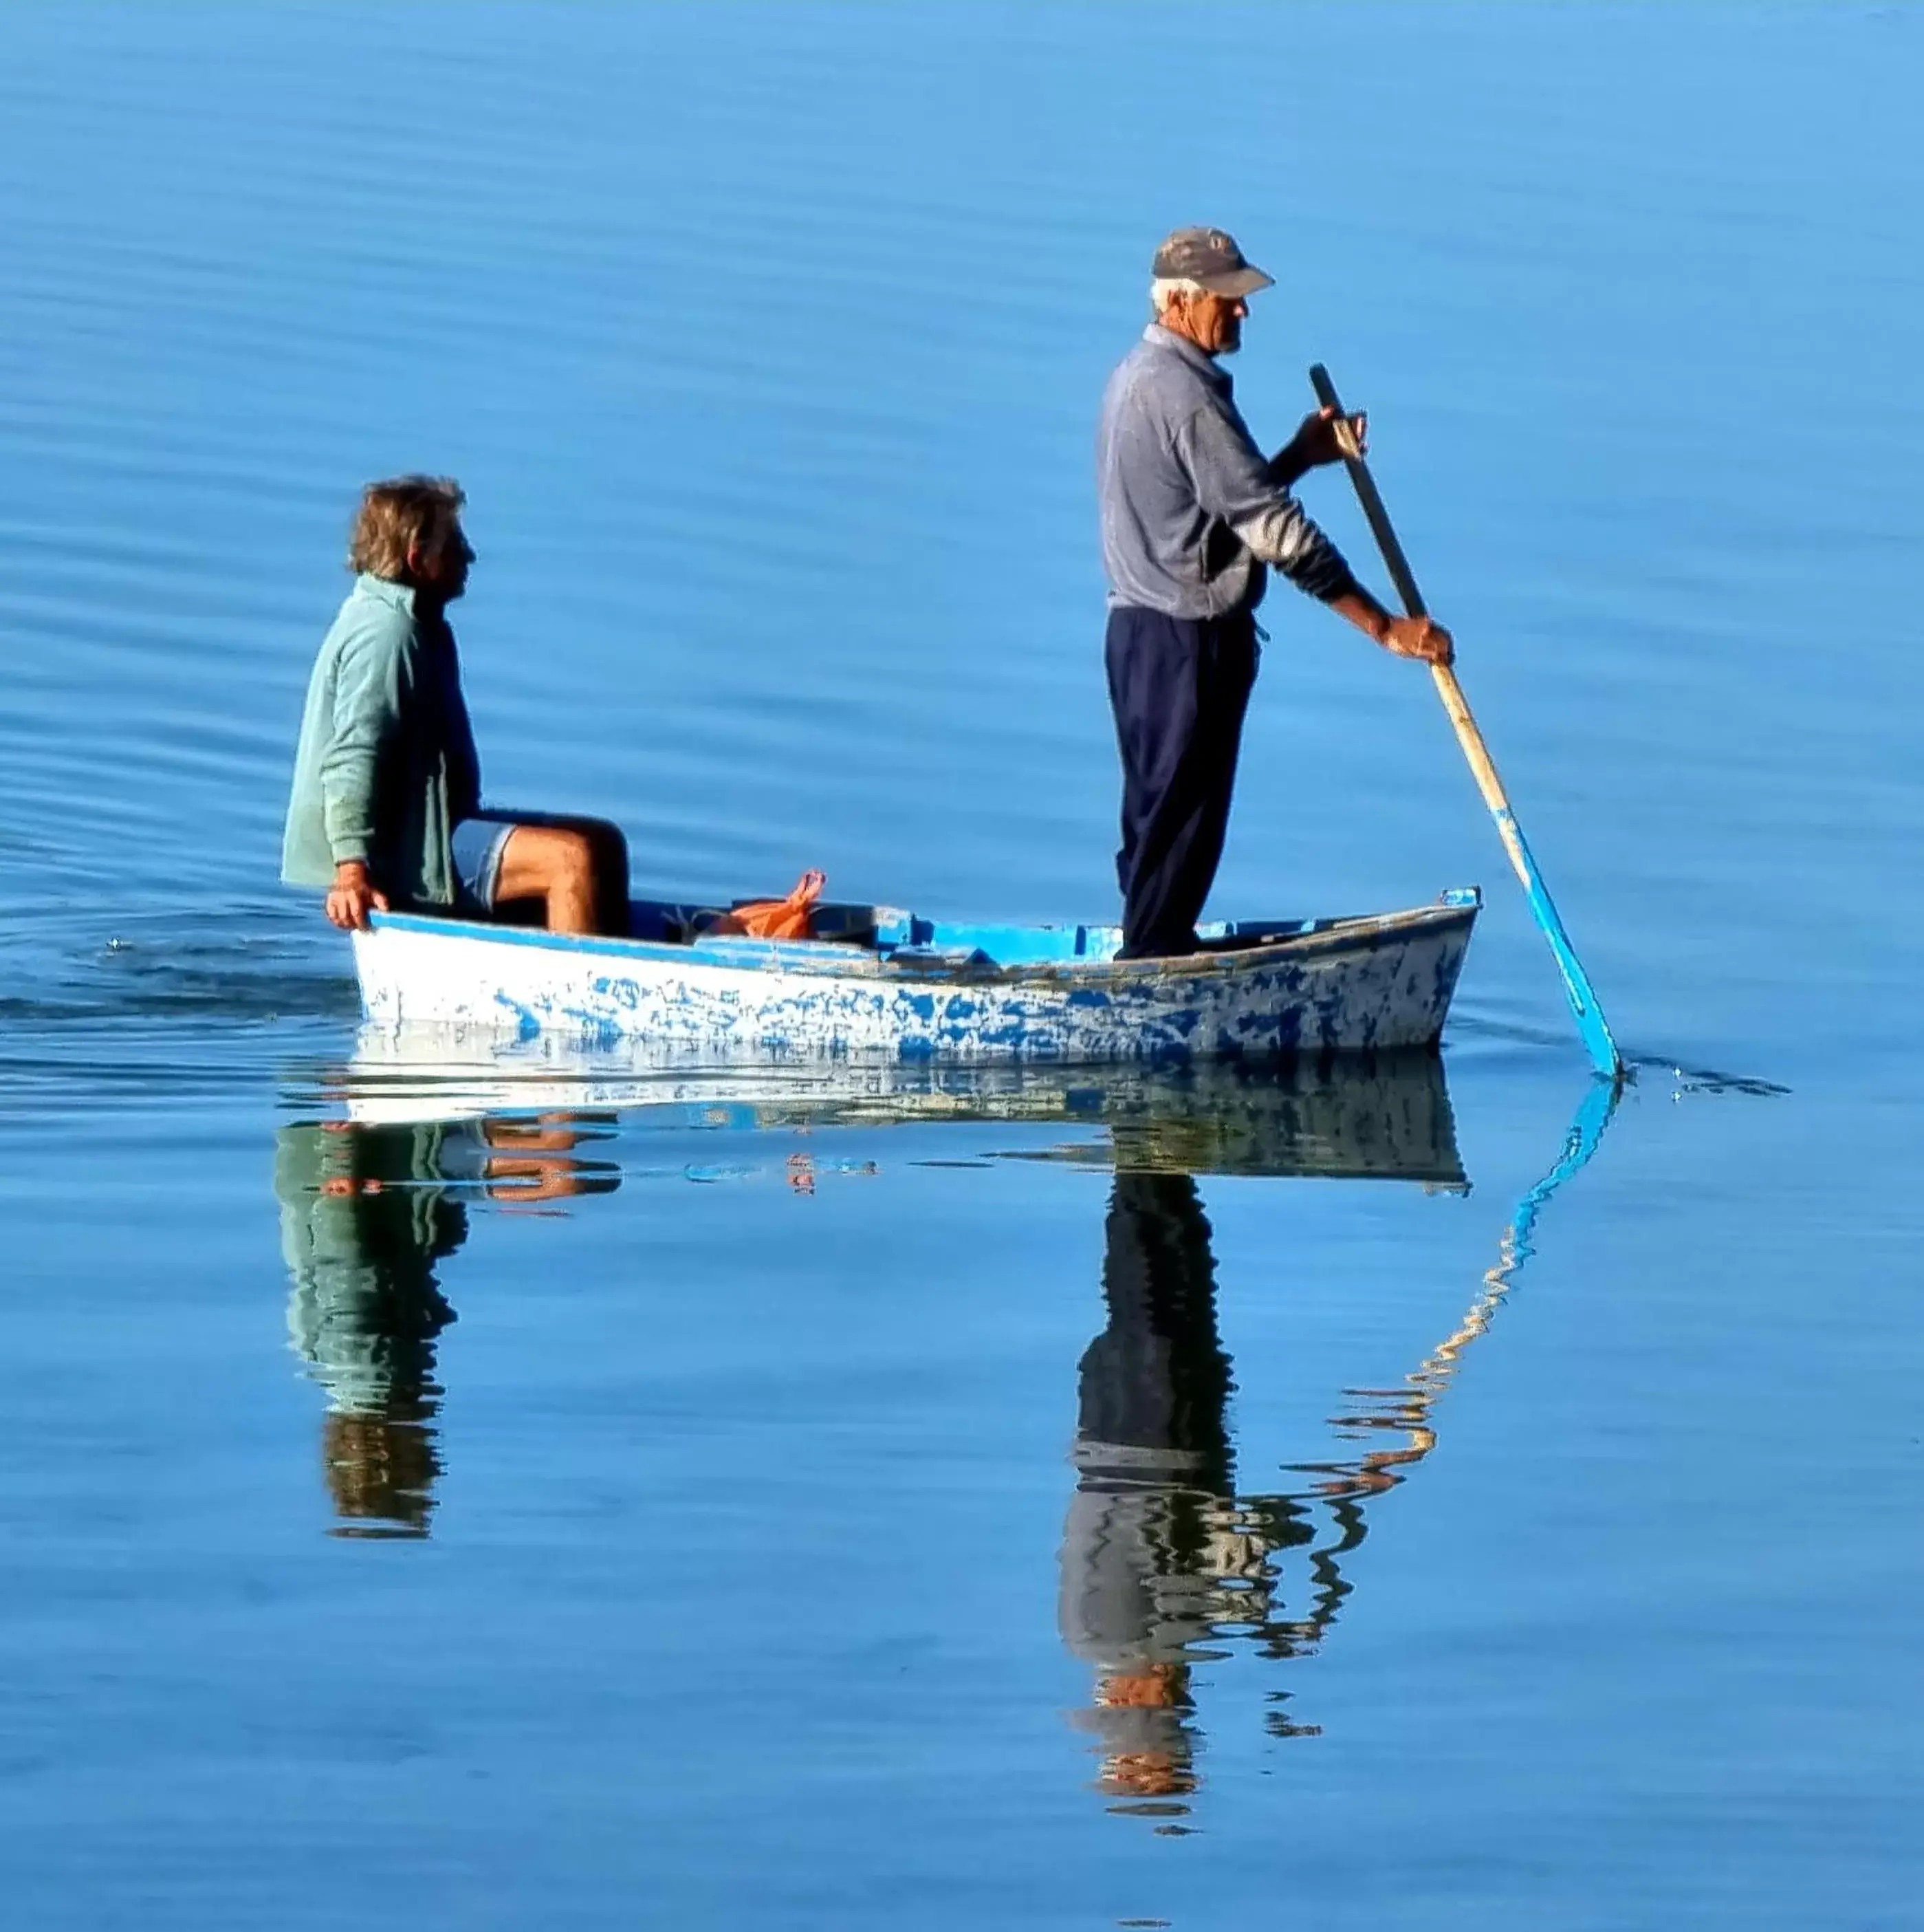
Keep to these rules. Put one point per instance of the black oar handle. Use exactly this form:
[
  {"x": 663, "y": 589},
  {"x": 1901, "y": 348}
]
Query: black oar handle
[{"x": 1400, "y": 572}]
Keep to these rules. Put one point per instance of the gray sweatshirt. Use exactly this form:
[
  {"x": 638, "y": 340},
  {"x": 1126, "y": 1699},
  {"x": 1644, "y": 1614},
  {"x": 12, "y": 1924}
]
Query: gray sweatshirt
[{"x": 1191, "y": 510}]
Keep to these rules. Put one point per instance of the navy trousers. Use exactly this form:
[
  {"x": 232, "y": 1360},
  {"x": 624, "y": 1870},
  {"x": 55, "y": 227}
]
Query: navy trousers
[{"x": 1178, "y": 687}]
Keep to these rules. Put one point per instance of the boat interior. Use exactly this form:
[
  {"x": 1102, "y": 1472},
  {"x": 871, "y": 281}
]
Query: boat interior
[{"x": 907, "y": 939}]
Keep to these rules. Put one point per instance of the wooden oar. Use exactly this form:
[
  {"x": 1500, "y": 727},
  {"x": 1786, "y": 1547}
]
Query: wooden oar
[{"x": 1590, "y": 1022}]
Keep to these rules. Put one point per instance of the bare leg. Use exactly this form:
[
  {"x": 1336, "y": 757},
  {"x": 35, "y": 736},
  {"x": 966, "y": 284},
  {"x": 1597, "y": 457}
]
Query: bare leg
[
  {"x": 608, "y": 852},
  {"x": 557, "y": 866}
]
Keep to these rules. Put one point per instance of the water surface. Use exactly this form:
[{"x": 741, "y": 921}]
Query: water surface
[{"x": 516, "y": 1495}]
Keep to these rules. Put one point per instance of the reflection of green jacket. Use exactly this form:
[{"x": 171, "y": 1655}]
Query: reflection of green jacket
[
  {"x": 386, "y": 767},
  {"x": 365, "y": 1306}
]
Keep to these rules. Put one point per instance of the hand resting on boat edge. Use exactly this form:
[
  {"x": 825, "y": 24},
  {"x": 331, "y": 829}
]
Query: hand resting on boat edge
[{"x": 385, "y": 810}]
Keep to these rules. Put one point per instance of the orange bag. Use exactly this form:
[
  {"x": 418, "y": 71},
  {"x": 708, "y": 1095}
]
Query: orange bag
[{"x": 776, "y": 919}]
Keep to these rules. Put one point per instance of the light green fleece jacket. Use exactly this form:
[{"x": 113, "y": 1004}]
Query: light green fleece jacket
[{"x": 386, "y": 766}]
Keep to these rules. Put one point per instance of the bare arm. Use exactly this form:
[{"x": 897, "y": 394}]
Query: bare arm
[{"x": 1405, "y": 637}]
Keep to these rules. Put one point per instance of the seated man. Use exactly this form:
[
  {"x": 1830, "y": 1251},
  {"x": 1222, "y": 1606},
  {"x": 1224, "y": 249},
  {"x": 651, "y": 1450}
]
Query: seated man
[{"x": 386, "y": 805}]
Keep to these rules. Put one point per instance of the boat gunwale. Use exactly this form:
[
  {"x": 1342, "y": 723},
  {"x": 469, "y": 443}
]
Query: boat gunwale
[
  {"x": 836, "y": 959},
  {"x": 1354, "y": 932}
]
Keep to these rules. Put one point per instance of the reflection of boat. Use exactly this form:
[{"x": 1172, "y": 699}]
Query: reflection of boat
[
  {"x": 886, "y": 984},
  {"x": 367, "y": 1215},
  {"x": 1163, "y": 1562},
  {"x": 1389, "y": 1119},
  {"x": 1385, "y": 1115}
]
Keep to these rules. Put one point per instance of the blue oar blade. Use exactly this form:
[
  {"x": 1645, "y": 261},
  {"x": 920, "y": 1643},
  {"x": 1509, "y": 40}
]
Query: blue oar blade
[{"x": 1576, "y": 988}]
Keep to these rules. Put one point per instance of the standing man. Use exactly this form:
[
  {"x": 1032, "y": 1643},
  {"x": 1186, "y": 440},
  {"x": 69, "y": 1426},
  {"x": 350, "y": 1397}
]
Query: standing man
[
  {"x": 1192, "y": 513},
  {"x": 386, "y": 805}
]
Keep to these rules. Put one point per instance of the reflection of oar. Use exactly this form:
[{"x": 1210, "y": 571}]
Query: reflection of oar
[
  {"x": 1345, "y": 1487},
  {"x": 1576, "y": 982},
  {"x": 1408, "y": 1408}
]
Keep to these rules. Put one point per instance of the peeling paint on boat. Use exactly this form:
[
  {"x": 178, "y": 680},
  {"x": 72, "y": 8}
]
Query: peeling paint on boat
[{"x": 1373, "y": 983}]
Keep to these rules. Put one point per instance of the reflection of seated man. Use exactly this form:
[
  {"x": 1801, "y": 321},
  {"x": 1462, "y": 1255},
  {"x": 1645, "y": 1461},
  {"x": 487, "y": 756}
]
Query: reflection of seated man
[
  {"x": 386, "y": 805},
  {"x": 531, "y": 1161},
  {"x": 368, "y": 1213},
  {"x": 361, "y": 1237}
]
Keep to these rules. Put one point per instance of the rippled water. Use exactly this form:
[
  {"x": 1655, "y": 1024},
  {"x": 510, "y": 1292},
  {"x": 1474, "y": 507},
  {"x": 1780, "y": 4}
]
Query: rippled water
[{"x": 527, "y": 1493}]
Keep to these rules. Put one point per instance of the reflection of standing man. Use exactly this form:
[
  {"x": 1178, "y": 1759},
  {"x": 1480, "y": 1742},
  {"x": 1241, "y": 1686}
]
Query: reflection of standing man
[
  {"x": 1192, "y": 513},
  {"x": 1144, "y": 1546}
]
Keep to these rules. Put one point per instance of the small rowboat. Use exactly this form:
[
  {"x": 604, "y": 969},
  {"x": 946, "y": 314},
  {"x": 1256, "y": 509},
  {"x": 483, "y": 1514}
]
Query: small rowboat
[{"x": 877, "y": 983}]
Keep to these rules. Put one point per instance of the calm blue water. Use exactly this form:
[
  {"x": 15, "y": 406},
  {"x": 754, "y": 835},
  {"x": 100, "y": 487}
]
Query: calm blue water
[{"x": 431, "y": 1499}]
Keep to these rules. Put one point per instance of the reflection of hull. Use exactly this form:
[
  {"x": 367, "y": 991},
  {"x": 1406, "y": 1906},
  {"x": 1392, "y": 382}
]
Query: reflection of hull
[
  {"x": 1388, "y": 1116},
  {"x": 1389, "y": 1120},
  {"x": 959, "y": 995}
]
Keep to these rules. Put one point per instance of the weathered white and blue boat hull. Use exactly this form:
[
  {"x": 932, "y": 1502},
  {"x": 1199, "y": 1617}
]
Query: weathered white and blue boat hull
[{"x": 1379, "y": 982}]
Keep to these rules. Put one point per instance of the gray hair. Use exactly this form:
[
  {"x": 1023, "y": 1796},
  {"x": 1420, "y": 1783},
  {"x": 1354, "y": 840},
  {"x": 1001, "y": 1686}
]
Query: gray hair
[{"x": 1164, "y": 287}]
